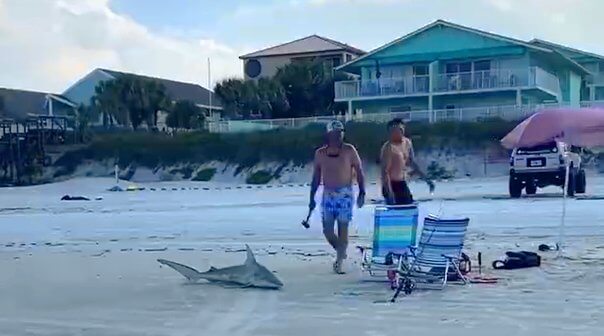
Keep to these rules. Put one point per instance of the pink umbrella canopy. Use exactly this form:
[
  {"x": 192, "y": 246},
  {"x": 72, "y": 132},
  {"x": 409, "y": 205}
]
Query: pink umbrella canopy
[{"x": 583, "y": 127}]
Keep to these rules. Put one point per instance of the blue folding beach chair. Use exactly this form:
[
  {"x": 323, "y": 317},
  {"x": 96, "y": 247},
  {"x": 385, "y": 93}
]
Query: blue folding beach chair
[
  {"x": 394, "y": 233},
  {"x": 439, "y": 250}
]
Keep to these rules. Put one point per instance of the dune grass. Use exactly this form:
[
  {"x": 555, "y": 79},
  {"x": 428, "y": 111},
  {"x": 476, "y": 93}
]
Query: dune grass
[{"x": 295, "y": 146}]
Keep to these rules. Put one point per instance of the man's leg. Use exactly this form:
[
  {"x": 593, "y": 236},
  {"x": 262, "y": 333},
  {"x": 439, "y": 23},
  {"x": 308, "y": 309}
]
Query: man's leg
[
  {"x": 342, "y": 239},
  {"x": 402, "y": 194},
  {"x": 328, "y": 230},
  {"x": 407, "y": 197}
]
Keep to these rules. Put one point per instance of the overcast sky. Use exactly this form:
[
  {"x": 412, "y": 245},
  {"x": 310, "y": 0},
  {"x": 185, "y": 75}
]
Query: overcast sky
[{"x": 47, "y": 45}]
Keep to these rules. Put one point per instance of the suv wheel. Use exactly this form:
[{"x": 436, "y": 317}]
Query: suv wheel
[
  {"x": 580, "y": 183},
  {"x": 515, "y": 187},
  {"x": 572, "y": 178},
  {"x": 531, "y": 189}
]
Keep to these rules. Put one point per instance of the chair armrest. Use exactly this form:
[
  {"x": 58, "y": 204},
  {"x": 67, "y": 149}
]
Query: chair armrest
[
  {"x": 363, "y": 248},
  {"x": 452, "y": 257}
]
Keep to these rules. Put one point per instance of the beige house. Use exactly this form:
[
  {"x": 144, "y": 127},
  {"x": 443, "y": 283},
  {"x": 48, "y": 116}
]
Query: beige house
[{"x": 266, "y": 62}]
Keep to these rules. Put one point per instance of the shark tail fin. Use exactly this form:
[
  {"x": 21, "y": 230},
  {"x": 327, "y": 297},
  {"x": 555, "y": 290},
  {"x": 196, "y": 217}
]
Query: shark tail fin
[
  {"x": 188, "y": 272},
  {"x": 250, "y": 259}
]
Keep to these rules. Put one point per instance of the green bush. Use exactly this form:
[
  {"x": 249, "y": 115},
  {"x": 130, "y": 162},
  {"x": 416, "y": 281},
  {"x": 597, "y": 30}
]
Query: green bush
[
  {"x": 205, "y": 175},
  {"x": 437, "y": 172},
  {"x": 295, "y": 146},
  {"x": 260, "y": 177}
]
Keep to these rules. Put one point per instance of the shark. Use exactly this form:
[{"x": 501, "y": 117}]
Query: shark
[{"x": 250, "y": 274}]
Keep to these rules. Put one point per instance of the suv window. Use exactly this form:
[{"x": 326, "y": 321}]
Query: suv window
[{"x": 551, "y": 147}]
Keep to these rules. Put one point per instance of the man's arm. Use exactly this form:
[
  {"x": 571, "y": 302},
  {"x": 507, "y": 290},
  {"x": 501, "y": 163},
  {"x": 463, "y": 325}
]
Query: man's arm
[
  {"x": 316, "y": 179},
  {"x": 358, "y": 169},
  {"x": 385, "y": 160},
  {"x": 413, "y": 162},
  {"x": 417, "y": 169}
]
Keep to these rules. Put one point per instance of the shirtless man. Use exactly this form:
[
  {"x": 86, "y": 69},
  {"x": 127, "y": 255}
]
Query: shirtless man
[
  {"x": 396, "y": 155},
  {"x": 334, "y": 164}
]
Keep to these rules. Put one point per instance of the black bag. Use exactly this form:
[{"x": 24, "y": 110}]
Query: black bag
[
  {"x": 465, "y": 267},
  {"x": 516, "y": 260}
]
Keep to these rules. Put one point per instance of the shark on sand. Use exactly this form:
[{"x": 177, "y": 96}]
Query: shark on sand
[{"x": 250, "y": 274}]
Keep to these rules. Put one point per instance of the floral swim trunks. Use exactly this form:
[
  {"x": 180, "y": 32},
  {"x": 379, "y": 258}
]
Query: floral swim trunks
[{"x": 337, "y": 204}]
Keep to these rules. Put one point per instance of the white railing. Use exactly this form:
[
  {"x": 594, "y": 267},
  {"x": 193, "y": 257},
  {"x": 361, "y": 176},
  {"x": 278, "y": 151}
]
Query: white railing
[
  {"x": 235, "y": 126},
  {"x": 400, "y": 86},
  {"x": 407, "y": 116},
  {"x": 593, "y": 103},
  {"x": 530, "y": 77},
  {"x": 484, "y": 113},
  {"x": 465, "y": 114},
  {"x": 480, "y": 80}
]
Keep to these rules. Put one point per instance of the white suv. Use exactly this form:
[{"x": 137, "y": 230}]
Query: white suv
[{"x": 544, "y": 165}]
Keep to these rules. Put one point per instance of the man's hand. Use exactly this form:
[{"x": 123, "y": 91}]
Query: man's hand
[
  {"x": 431, "y": 185},
  {"x": 312, "y": 205},
  {"x": 361, "y": 199},
  {"x": 390, "y": 198}
]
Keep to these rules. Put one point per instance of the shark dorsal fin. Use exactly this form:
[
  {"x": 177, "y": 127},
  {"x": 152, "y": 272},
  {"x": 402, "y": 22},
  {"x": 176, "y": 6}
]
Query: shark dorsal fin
[
  {"x": 250, "y": 259},
  {"x": 212, "y": 268}
]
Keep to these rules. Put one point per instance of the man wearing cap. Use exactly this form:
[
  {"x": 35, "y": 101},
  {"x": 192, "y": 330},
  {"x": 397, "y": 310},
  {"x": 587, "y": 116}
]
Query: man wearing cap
[{"x": 334, "y": 164}]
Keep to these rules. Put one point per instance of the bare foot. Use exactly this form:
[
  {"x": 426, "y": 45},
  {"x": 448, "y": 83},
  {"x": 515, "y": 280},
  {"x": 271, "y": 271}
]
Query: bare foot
[{"x": 337, "y": 267}]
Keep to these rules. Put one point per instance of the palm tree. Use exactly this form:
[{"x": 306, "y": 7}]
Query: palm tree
[{"x": 156, "y": 100}]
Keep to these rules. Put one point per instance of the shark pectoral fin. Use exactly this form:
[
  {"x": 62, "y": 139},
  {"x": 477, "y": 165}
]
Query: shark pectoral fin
[
  {"x": 250, "y": 260},
  {"x": 188, "y": 272}
]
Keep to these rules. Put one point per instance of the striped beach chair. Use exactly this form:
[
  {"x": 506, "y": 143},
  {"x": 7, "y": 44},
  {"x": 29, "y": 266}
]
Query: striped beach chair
[
  {"x": 439, "y": 250},
  {"x": 394, "y": 233}
]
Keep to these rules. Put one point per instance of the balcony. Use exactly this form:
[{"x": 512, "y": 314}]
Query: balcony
[
  {"x": 383, "y": 87},
  {"x": 476, "y": 81}
]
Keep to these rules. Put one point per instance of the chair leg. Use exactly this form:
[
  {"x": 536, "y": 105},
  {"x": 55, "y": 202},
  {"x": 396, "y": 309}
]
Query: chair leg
[
  {"x": 446, "y": 274},
  {"x": 461, "y": 276},
  {"x": 399, "y": 288}
]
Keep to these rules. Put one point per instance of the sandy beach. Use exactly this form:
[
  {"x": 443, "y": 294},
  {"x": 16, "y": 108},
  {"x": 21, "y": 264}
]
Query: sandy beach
[{"x": 89, "y": 268}]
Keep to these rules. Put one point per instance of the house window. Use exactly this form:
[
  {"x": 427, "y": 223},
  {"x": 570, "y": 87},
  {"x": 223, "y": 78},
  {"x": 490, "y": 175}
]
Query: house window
[
  {"x": 599, "y": 94},
  {"x": 458, "y": 67},
  {"x": 420, "y": 70},
  {"x": 336, "y": 61},
  {"x": 601, "y": 66},
  {"x": 348, "y": 58},
  {"x": 482, "y": 65}
]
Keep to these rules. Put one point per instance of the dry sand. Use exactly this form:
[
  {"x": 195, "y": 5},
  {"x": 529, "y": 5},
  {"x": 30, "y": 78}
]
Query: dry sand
[{"x": 92, "y": 270}]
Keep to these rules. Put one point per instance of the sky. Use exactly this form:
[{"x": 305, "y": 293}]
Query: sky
[{"x": 47, "y": 45}]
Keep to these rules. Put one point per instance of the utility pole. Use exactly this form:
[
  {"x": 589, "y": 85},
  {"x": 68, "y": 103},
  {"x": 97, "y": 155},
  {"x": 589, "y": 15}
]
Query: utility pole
[{"x": 210, "y": 86}]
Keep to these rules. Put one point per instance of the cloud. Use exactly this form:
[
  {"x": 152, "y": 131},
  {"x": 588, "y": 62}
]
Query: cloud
[
  {"x": 368, "y": 24},
  {"x": 48, "y": 44},
  {"x": 570, "y": 22}
]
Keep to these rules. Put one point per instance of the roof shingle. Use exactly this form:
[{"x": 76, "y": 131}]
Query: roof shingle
[
  {"x": 177, "y": 90},
  {"x": 309, "y": 44},
  {"x": 20, "y": 104}
]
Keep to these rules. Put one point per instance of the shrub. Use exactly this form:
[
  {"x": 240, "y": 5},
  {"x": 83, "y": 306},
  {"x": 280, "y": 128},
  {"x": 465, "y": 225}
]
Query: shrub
[
  {"x": 437, "y": 172},
  {"x": 260, "y": 177},
  {"x": 205, "y": 175},
  {"x": 294, "y": 146}
]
